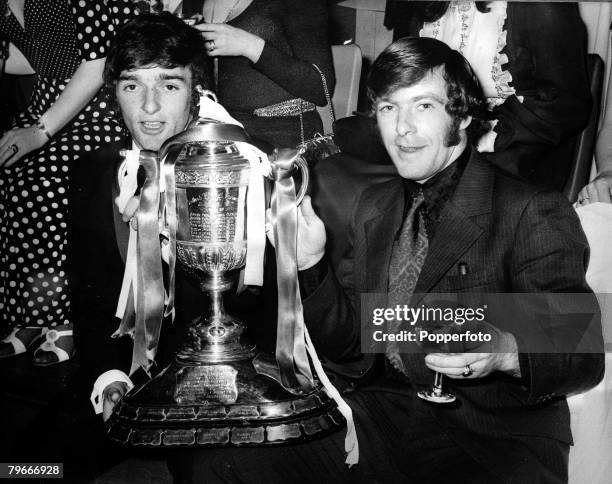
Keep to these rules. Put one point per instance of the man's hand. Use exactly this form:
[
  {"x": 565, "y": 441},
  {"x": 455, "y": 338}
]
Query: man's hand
[
  {"x": 310, "y": 235},
  {"x": 18, "y": 142},
  {"x": 504, "y": 359},
  {"x": 110, "y": 397}
]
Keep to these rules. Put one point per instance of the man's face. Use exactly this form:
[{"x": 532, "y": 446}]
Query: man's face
[
  {"x": 415, "y": 127},
  {"x": 155, "y": 103}
]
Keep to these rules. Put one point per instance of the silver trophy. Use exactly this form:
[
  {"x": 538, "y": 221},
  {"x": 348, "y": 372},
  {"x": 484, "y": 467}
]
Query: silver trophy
[{"x": 219, "y": 390}]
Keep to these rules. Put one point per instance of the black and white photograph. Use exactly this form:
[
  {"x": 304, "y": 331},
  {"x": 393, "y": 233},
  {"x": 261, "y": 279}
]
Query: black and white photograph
[{"x": 306, "y": 241}]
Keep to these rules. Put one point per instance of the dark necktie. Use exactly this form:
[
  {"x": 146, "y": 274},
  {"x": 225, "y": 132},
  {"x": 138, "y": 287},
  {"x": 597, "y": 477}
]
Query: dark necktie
[{"x": 407, "y": 257}]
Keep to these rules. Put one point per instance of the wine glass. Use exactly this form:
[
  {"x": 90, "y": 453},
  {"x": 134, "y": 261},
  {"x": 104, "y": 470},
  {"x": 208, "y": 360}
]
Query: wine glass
[
  {"x": 465, "y": 344},
  {"x": 436, "y": 393}
]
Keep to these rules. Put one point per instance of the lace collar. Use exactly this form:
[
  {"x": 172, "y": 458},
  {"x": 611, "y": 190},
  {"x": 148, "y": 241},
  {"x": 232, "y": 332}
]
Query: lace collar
[{"x": 481, "y": 38}]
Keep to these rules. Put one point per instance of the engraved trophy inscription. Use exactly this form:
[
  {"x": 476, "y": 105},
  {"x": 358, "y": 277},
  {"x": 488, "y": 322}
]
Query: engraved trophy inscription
[{"x": 207, "y": 384}]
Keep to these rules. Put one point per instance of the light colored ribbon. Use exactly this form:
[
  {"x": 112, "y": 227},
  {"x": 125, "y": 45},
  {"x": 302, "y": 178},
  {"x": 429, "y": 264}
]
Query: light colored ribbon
[
  {"x": 128, "y": 183},
  {"x": 141, "y": 301},
  {"x": 291, "y": 356},
  {"x": 210, "y": 108},
  {"x": 293, "y": 344},
  {"x": 351, "y": 444},
  {"x": 256, "y": 209}
]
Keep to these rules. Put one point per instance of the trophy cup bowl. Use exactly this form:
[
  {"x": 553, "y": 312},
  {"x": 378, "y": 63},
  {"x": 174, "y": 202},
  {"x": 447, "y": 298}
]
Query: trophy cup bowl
[{"x": 215, "y": 393}]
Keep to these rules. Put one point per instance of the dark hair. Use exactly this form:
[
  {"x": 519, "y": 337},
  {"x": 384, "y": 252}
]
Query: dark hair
[
  {"x": 161, "y": 40},
  {"x": 409, "y": 60}
]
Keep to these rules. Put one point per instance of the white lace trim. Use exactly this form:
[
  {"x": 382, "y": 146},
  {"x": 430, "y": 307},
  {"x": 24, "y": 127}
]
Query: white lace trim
[{"x": 480, "y": 37}]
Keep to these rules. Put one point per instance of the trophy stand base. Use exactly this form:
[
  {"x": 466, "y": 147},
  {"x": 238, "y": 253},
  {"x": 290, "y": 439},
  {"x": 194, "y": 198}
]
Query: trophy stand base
[
  {"x": 212, "y": 394},
  {"x": 222, "y": 404}
]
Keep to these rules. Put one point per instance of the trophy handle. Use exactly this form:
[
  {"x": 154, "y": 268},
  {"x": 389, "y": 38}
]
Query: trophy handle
[{"x": 284, "y": 162}]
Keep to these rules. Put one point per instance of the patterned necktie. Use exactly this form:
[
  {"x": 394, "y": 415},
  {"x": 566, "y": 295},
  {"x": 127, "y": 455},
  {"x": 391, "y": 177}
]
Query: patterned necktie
[{"x": 407, "y": 257}]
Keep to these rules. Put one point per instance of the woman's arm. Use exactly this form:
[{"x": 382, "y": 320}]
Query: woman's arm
[
  {"x": 306, "y": 27},
  {"x": 600, "y": 189},
  {"x": 82, "y": 87}
]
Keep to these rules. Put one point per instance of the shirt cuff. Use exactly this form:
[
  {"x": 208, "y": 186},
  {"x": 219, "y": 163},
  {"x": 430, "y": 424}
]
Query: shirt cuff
[{"x": 102, "y": 382}]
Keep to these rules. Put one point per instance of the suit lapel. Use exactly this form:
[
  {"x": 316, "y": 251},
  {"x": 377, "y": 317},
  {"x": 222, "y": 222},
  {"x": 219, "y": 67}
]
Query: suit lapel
[
  {"x": 457, "y": 230},
  {"x": 454, "y": 235}
]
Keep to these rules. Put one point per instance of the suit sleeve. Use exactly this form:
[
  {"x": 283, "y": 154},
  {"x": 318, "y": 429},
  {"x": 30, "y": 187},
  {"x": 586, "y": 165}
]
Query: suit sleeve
[
  {"x": 330, "y": 310},
  {"x": 550, "y": 255}
]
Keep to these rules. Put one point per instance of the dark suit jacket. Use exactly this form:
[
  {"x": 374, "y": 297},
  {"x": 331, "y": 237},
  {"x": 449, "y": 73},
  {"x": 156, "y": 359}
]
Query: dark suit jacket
[
  {"x": 98, "y": 240},
  {"x": 515, "y": 239}
]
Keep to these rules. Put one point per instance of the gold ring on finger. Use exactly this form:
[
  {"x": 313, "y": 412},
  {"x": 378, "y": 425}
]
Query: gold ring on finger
[{"x": 467, "y": 371}]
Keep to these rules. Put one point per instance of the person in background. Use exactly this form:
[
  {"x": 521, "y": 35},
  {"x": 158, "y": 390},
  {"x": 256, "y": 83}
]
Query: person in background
[
  {"x": 153, "y": 68},
  {"x": 530, "y": 60},
  {"x": 64, "y": 43},
  {"x": 270, "y": 56},
  {"x": 600, "y": 188}
]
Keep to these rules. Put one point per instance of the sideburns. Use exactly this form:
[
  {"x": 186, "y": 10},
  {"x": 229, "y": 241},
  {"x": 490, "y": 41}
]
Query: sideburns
[{"x": 452, "y": 137}]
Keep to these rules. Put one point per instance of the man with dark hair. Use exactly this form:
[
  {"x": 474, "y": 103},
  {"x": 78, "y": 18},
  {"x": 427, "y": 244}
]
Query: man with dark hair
[
  {"x": 406, "y": 63},
  {"x": 155, "y": 67},
  {"x": 162, "y": 41},
  {"x": 450, "y": 223}
]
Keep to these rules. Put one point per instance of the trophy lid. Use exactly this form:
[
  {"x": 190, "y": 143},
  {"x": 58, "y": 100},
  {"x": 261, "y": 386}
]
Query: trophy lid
[{"x": 208, "y": 143}]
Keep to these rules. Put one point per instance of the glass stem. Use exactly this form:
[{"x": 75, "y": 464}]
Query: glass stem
[{"x": 438, "y": 383}]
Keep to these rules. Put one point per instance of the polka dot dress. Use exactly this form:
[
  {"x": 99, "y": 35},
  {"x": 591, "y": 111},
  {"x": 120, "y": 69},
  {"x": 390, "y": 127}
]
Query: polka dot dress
[{"x": 58, "y": 36}]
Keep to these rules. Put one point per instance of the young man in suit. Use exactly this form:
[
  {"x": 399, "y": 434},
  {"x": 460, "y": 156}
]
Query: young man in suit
[
  {"x": 156, "y": 68},
  {"x": 153, "y": 69}
]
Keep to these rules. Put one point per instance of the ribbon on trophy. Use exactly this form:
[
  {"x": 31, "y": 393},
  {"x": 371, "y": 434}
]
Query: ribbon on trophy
[
  {"x": 294, "y": 370},
  {"x": 142, "y": 297},
  {"x": 293, "y": 343},
  {"x": 145, "y": 301}
]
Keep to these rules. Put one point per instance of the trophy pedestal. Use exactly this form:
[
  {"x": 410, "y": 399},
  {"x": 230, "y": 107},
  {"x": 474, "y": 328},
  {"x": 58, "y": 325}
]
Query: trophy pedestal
[
  {"x": 220, "y": 404},
  {"x": 212, "y": 394}
]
